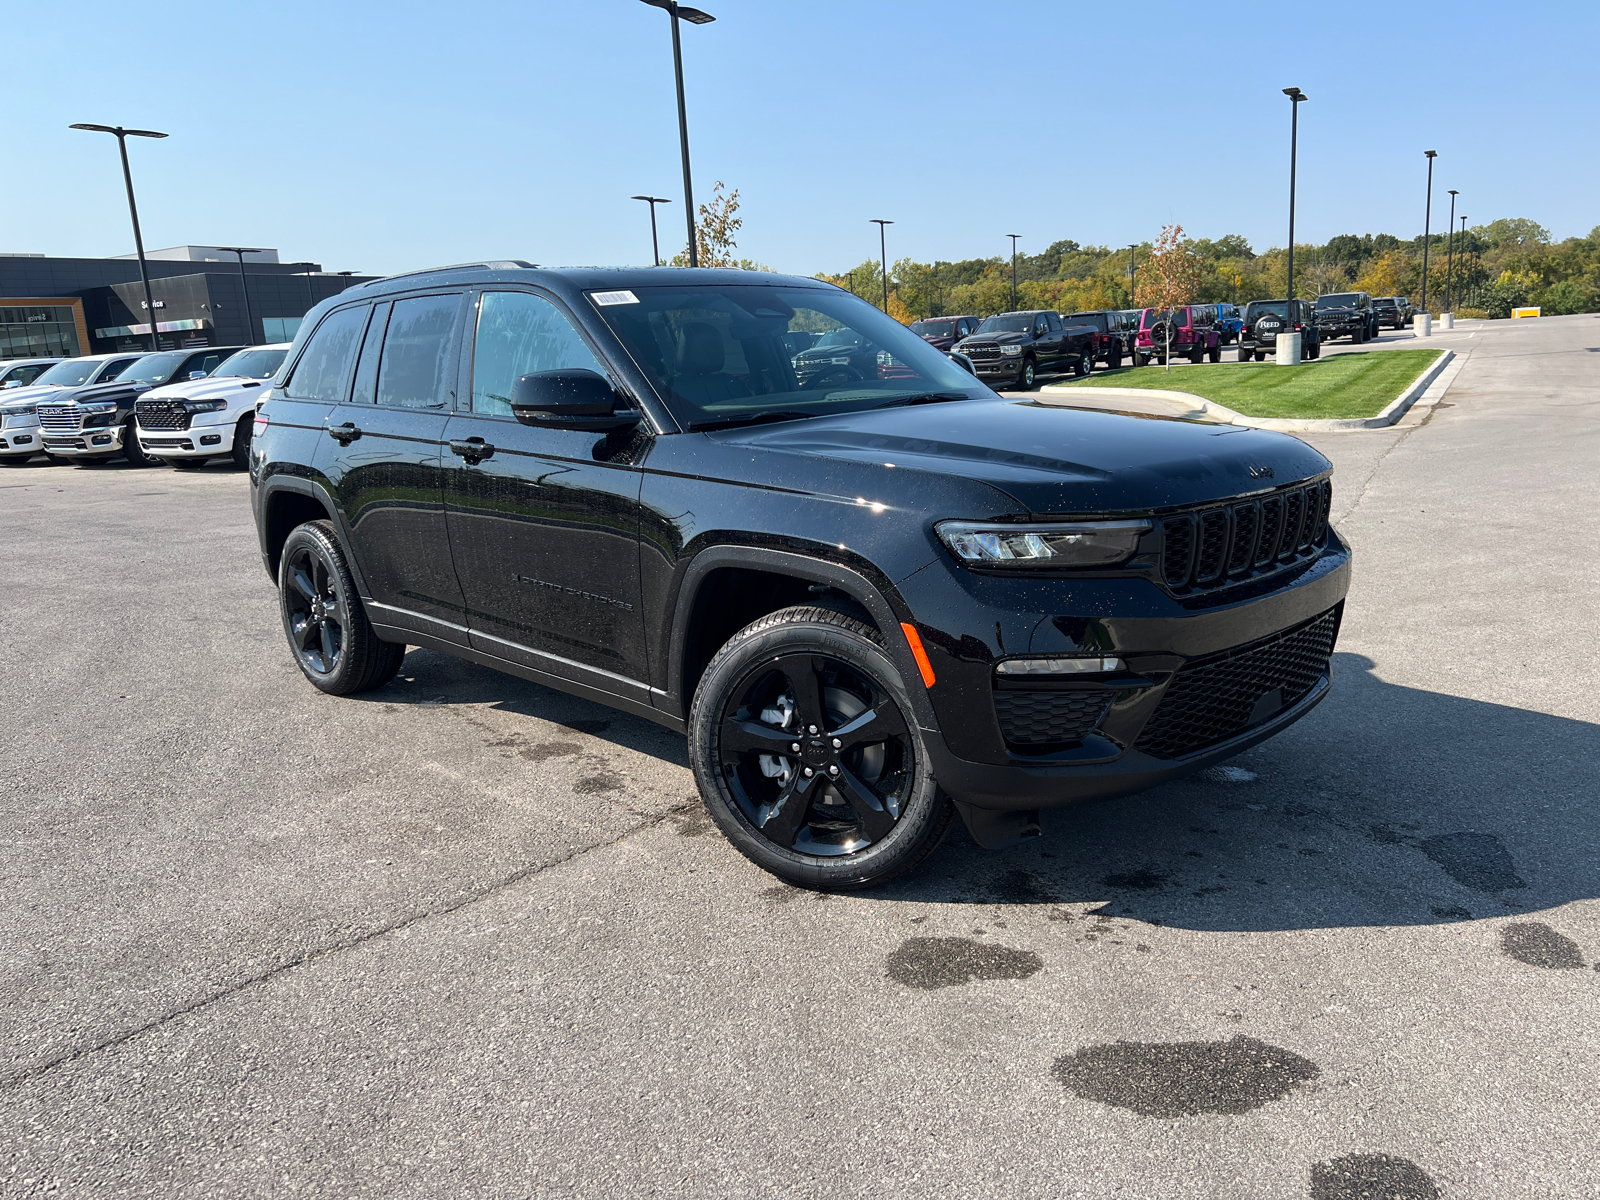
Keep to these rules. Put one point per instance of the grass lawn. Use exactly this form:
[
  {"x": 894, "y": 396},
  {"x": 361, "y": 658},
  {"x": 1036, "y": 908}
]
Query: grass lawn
[{"x": 1343, "y": 385}]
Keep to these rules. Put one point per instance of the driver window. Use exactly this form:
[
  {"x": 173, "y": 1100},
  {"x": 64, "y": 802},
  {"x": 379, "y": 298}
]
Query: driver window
[{"x": 520, "y": 334}]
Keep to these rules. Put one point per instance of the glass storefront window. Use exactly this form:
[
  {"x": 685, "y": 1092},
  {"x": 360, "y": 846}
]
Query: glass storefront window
[{"x": 38, "y": 331}]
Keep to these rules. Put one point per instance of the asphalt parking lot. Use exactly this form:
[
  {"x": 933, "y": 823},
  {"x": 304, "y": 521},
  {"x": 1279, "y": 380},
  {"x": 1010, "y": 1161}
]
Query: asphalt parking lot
[{"x": 468, "y": 937}]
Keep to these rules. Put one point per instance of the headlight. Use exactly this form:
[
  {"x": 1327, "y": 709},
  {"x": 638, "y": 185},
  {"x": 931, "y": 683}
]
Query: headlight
[
  {"x": 200, "y": 406},
  {"x": 1010, "y": 349},
  {"x": 27, "y": 411},
  {"x": 1074, "y": 544}
]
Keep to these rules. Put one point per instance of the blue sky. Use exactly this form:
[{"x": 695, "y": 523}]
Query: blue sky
[{"x": 385, "y": 137}]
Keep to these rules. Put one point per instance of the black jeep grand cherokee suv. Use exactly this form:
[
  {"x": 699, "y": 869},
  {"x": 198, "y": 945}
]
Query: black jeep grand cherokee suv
[{"x": 868, "y": 604}]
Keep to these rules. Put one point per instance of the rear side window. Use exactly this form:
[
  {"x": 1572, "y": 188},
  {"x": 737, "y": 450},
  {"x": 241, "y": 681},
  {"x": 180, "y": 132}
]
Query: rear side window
[
  {"x": 519, "y": 334},
  {"x": 416, "y": 352},
  {"x": 320, "y": 373}
]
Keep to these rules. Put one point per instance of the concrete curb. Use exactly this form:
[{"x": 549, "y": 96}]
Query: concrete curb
[{"x": 1186, "y": 406}]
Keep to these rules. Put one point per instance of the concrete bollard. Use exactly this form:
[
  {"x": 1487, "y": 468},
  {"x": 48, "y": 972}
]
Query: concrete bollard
[
  {"x": 1422, "y": 326},
  {"x": 1287, "y": 350},
  {"x": 1447, "y": 320}
]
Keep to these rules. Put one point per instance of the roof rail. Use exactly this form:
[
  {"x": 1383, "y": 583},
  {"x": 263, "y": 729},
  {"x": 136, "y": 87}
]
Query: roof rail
[{"x": 494, "y": 264}]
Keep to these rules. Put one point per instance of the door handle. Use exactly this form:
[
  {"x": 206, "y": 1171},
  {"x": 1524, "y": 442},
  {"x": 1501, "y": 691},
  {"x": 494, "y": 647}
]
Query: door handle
[
  {"x": 474, "y": 449},
  {"x": 344, "y": 434}
]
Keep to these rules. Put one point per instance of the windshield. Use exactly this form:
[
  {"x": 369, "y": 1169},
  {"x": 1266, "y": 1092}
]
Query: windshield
[
  {"x": 71, "y": 373},
  {"x": 933, "y": 328},
  {"x": 1263, "y": 308},
  {"x": 251, "y": 364},
  {"x": 1339, "y": 300},
  {"x": 1007, "y": 323},
  {"x": 153, "y": 368},
  {"x": 718, "y": 353}
]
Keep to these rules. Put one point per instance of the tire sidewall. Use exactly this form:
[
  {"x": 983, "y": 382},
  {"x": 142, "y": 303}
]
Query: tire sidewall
[
  {"x": 319, "y": 540},
  {"x": 733, "y": 664}
]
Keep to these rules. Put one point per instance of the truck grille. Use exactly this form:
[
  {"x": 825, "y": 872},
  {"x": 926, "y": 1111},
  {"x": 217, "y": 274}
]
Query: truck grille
[
  {"x": 982, "y": 351},
  {"x": 161, "y": 414},
  {"x": 1037, "y": 719},
  {"x": 1212, "y": 700},
  {"x": 60, "y": 418},
  {"x": 1213, "y": 547}
]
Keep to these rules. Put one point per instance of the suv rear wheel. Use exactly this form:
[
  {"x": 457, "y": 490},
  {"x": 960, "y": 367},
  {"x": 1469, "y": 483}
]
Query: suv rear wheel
[
  {"x": 332, "y": 641},
  {"x": 806, "y": 751}
]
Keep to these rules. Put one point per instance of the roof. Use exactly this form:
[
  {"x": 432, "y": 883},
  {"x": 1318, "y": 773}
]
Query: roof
[{"x": 583, "y": 278}]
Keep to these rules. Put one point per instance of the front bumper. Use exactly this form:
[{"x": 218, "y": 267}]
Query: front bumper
[
  {"x": 86, "y": 443},
  {"x": 18, "y": 440},
  {"x": 1156, "y": 635},
  {"x": 999, "y": 368},
  {"x": 202, "y": 441}
]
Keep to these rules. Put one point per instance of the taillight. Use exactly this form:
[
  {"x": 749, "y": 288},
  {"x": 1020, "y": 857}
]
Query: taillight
[
  {"x": 1297, "y": 329},
  {"x": 260, "y": 424}
]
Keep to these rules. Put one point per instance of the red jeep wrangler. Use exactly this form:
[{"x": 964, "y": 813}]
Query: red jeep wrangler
[{"x": 1190, "y": 330}]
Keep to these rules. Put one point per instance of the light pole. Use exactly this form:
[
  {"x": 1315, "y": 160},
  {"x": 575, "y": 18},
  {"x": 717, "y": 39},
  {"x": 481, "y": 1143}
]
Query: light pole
[
  {"x": 1463, "y": 253},
  {"x": 122, "y": 135},
  {"x": 1013, "y": 237},
  {"x": 883, "y": 253},
  {"x": 249, "y": 318},
  {"x": 1295, "y": 97},
  {"x": 695, "y": 17},
  {"x": 1132, "y": 303},
  {"x": 655, "y": 244},
  {"x": 1427, "y": 228},
  {"x": 1450, "y": 256}
]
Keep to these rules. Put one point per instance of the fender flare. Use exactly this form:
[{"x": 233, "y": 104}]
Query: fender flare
[
  {"x": 310, "y": 487},
  {"x": 817, "y": 570}
]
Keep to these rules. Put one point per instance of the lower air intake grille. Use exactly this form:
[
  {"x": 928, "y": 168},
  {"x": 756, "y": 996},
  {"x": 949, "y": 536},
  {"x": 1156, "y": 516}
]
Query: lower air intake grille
[
  {"x": 1036, "y": 719},
  {"x": 1211, "y": 701}
]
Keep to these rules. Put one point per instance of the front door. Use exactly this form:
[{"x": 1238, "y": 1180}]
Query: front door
[
  {"x": 543, "y": 522},
  {"x": 381, "y": 457}
]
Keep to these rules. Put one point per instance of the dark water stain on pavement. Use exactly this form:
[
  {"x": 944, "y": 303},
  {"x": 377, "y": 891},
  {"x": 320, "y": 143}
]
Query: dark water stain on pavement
[
  {"x": 592, "y": 785},
  {"x": 928, "y": 963},
  {"x": 1474, "y": 860},
  {"x": 549, "y": 750},
  {"x": 1184, "y": 1079},
  {"x": 1137, "y": 881},
  {"x": 695, "y": 822},
  {"x": 1371, "y": 1177},
  {"x": 1540, "y": 946}
]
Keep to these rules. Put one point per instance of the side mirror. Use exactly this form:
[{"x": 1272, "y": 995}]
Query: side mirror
[
  {"x": 962, "y": 361},
  {"x": 11, "y": 383},
  {"x": 197, "y": 374},
  {"x": 570, "y": 399}
]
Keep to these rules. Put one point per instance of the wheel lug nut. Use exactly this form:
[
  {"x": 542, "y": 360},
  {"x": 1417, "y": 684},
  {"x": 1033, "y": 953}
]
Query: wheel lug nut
[
  {"x": 811, "y": 728},
  {"x": 809, "y": 772},
  {"x": 795, "y": 747},
  {"x": 837, "y": 743},
  {"x": 833, "y": 770}
]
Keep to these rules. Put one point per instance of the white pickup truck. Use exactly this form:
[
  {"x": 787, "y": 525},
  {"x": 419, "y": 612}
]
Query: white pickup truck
[{"x": 188, "y": 424}]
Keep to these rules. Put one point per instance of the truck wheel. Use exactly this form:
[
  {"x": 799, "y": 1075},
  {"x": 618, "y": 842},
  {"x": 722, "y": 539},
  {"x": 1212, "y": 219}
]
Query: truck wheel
[
  {"x": 332, "y": 640},
  {"x": 1315, "y": 350},
  {"x": 1114, "y": 358},
  {"x": 133, "y": 452},
  {"x": 1084, "y": 365},
  {"x": 1026, "y": 380},
  {"x": 806, "y": 751},
  {"x": 1261, "y": 356},
  {"x": 242, "y": 433},
  {"x": 1215, "y": 353}
]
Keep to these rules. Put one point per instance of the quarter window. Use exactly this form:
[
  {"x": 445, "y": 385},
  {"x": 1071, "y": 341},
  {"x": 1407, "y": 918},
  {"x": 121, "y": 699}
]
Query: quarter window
[
  {"x": 320, "y": 373},
  {"x": 416, "y": 352},
  {"x": 518, "y": 334}
]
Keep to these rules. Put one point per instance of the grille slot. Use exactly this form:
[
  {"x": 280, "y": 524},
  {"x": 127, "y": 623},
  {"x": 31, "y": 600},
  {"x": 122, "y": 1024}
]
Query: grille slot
[
  {"x": 60, "y": 418},
  {"x": 162, "y": 414},
  {"x": 982, "y": 352},
  {"x": 1212, "y": 701},
  {"x": 1035, "y": 719},
  {"x": 1222, "y": 544}
]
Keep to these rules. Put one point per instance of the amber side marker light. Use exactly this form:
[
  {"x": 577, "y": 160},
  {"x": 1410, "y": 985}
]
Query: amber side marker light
[{"x": 918, "y": 653}]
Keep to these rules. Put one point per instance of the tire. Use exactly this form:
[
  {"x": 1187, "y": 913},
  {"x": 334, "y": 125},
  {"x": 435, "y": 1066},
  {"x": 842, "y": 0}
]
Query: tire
[
  {"x": 1215, "y": 353},
  {"x": 1314, "y": 350},
  {"x": 242, "y": 433},
  {"x": 186, "y": 464},
  {"x": 1084, "y": 366},
  {"x": 1114, "y": 358},
  {"x": 332, "y": 640},
  {"x": 1244, "y": 355},
  {"x": 1029, "y": 375},
  {"x": 133, "y": 452},
  {"x": 1140, "y": 360},
  {"x": 886, "y": 813},
  {"x": 1261, "y": 356}
]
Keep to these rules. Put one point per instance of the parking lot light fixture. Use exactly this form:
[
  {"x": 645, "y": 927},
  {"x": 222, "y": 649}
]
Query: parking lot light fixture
[
  {"x": 1295, "y": 97},
  {"x": 883, "y": 254},
  {"x": 655, "y": 243},
  {"x": 1131, "y": 288},
  {"x": 694, "y": 16},
  {"x": 244, "y": 286},
  {"x": 122, "y": 135},
  {"x": 1013, "y": 237},
  {"x": 1427, "y": 227},
  {"x": 1450, "y": 254}
]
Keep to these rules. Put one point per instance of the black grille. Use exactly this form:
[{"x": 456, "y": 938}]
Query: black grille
[
  {"x": 1037, "y": 718},
  {"x": 1213, "y": 700},
  {"x": 60, "y": 418},
  {"x": 161, "y": 414},
  {"x": 982, "y": 352},
  {"x": 1213, "y": 547}
]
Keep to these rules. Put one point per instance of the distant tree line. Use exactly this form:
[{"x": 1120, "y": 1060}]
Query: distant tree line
[{"x": 1505, "y": 264}]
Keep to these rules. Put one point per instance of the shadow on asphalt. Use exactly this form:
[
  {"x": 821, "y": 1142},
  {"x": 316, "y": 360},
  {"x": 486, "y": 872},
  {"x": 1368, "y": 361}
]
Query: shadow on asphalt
[{"x": 1387, "y": 805}]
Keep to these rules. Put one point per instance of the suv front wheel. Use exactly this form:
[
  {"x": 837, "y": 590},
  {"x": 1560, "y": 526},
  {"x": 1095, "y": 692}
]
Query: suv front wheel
[
  {"x": 333, "y": 643},
  {"x": 807, "y": 754}
]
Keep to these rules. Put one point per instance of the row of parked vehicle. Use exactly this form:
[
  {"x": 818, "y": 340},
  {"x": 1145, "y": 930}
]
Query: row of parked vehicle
[
  {"x": 182, "y": 408},
  {"x": 1013, "y": 349}
]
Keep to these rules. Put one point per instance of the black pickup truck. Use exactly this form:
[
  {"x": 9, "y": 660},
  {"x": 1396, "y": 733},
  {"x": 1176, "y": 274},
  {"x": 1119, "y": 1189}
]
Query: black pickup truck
[{"x": 1013, "y": 349}]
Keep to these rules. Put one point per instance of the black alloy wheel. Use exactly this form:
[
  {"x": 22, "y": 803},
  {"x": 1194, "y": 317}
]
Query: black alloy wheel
[
  {"x": 333, "y": 642},
  {"x": 1029, "y": 375},
  {"x": 242, "y": 433},
  {"x": 807, "y": 754},
  {"x": 133, "y": 451}
]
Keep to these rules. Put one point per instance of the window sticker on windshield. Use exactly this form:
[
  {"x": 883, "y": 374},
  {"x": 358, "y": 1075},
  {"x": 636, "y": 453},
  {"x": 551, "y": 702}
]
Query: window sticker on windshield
[{"x": 605, "y": 298}]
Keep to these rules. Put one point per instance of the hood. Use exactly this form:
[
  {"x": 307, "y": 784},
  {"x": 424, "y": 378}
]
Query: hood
[
  {"x": 31, "y": 395},
  {"x": 1055, "y": 460},
  {"x": 97, "y": 393},
  {"x": 1004, "y": 339},
  {"x": 203, "y": 389}
]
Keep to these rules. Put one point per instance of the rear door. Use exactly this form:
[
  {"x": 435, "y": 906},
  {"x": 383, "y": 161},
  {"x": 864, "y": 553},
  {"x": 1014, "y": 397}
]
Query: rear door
[
  {"x": 544, "y": 526},
  {"x": 381, "y": 456}
]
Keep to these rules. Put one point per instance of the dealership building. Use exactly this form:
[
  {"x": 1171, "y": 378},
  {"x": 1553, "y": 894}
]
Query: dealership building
[{"x": 62, "y": 307}]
